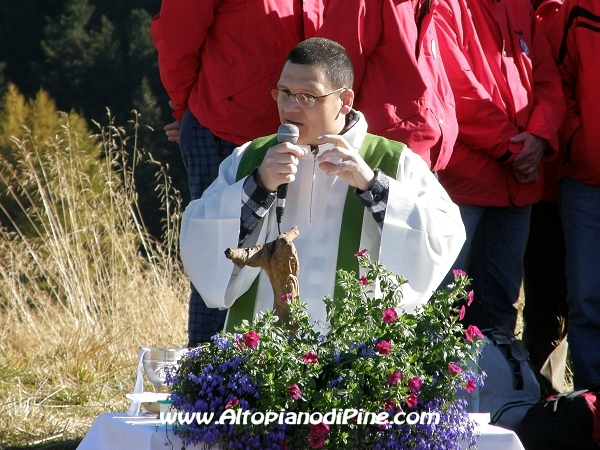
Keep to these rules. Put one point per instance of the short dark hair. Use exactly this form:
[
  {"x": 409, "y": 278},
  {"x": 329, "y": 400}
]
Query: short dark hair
[{"x": 330, "y": 56}]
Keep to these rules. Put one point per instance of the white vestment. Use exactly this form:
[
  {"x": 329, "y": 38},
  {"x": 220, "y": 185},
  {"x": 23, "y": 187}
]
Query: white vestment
[{"x": 421, "y": 237}]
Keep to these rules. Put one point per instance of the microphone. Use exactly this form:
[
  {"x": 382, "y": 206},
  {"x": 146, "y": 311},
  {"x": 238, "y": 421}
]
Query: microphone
[{"x": 286, "y": 133}]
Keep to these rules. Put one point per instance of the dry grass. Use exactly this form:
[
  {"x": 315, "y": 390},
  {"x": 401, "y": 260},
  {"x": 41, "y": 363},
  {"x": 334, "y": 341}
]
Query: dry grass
[{"x": 82, "y": 286}]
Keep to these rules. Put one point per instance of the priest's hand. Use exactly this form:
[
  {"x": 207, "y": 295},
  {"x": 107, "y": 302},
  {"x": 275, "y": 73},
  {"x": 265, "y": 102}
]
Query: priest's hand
[
  {"x": 351, "y": 167},
  {"x": 279, "y": 166}
]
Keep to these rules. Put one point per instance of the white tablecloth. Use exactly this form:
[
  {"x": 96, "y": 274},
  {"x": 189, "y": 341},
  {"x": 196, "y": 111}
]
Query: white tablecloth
[{"x": 122, "y": 432}]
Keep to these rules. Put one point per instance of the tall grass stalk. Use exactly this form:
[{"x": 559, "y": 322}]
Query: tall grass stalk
[{"x": 82, "y": 285}]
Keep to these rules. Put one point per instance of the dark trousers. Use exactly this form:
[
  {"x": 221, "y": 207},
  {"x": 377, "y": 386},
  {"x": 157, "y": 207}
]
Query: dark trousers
[
  {"x": 202, "y": 154},
  {"x": 545, "y": 285}
]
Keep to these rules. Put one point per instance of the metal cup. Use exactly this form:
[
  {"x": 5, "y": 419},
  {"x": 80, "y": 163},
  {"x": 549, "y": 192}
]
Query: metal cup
[{"x": 158, "y": 361}]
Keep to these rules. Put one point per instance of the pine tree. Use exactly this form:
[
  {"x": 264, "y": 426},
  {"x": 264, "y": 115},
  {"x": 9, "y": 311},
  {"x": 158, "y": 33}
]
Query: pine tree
[{"x": 83, "y": 61}]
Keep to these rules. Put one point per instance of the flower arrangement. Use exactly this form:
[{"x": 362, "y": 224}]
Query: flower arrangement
[{"x": 374, "y": 361}]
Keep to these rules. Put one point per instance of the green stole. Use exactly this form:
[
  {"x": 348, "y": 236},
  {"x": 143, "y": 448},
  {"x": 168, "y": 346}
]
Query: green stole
[{"x": 379, "y": 153}]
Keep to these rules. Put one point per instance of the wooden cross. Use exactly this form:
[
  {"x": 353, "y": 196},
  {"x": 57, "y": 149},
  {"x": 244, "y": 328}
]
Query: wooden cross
[{"x": 279, "y": 260}]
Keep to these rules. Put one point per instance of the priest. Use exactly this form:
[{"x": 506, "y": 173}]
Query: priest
[{"x": 347, "y": 190}]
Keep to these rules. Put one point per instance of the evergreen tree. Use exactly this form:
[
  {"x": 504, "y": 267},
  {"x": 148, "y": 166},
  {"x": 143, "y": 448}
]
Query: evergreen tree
[
  {"x": 91, "y": 55},
  {"x": 83, "y": 62},
  {"x": 21, "y": 30}
]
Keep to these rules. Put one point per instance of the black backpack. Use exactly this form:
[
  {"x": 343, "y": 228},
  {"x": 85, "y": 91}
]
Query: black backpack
[
  {"x": 564, "y": 421},
  {"x": 510, "y": 386}
]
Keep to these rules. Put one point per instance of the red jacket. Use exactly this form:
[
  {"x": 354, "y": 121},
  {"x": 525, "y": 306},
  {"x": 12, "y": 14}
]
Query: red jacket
[
  {"x": 545, "y": 14},
  {"x": 219, "y": 57},
  {"x": 575, "y": 38},
  {"x": 504, "y": 82},
  {"x": 401, "y": 87}
]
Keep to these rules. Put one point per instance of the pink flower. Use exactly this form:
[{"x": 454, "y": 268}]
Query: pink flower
[
  {"x": 394, "y": 378},
  {"x": 231, "y": 403},
  {"x": 461, "y": 313},
  {"x": 414, "y": 384},
  {"x": 383, "y": 347},
  {"x": 470, "y": 386},
  {"x": 294, "y": 391},
  {"x": 470, "y": 296},
  {"x": 389, "y": 315},
  {"x": 251, "y": 338},
  {"x": 454, "y": 368},
  {"x": 385, "y": 425},
  {"x": 310, "y": 358},
  {"x": 363, "y": 280},
  {"x": 285, "y": 297},
  {"x": 361, "y": 252},
  {"x": 472, "y": 331},
  {"x": 411, "y": 400},
  {"x": 459, "y": 272},
  {"x": 316, "y": 441},
  {"x": 388, "y": 405},
  {"x": 238, "y": 341},
  {"x": 320, "y": 429}
]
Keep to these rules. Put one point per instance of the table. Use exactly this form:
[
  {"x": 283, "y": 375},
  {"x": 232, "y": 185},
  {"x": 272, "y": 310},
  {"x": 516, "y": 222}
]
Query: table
[{"x": 122, "y": 432}]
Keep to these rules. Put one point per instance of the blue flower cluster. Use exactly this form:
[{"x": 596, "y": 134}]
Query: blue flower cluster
[
  {"x": 216, "y": 386},
  {"x": 453, "y": 428}
]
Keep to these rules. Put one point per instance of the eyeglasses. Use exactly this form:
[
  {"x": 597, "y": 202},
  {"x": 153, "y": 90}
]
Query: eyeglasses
[{"x": 282, "y": 95}]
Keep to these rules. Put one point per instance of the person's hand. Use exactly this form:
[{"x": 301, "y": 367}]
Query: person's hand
[
  {"x": 279, "y": 166},
  {"x": 352, "y": 168},
  {"x": 527, "y": 162},
  {"x": 172, "y": 131}
]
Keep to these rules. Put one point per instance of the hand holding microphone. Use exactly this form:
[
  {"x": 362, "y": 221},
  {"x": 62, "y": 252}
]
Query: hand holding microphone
[
  {"x": 279, "y": 165},
  {"x": 286, "y": 133}
]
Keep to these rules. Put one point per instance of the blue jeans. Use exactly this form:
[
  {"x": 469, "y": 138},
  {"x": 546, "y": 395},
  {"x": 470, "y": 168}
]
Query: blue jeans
[
  {"x": 202, "y": 154},
  {"x": 580, "y": 213},
  {"x": 493, "y": 257}
]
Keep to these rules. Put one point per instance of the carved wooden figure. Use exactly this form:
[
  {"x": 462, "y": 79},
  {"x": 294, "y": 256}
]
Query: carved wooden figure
[{"x": 279, "y": 260}]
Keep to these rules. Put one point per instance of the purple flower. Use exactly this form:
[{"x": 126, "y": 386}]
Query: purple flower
[
  {"x": 221, "y": 342},
  {"x": 336, "y": 381},
  {"x": 336, "y": 356}
]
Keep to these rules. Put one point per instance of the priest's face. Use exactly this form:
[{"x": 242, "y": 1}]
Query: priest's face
[{"x": 312, "y": 115}]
